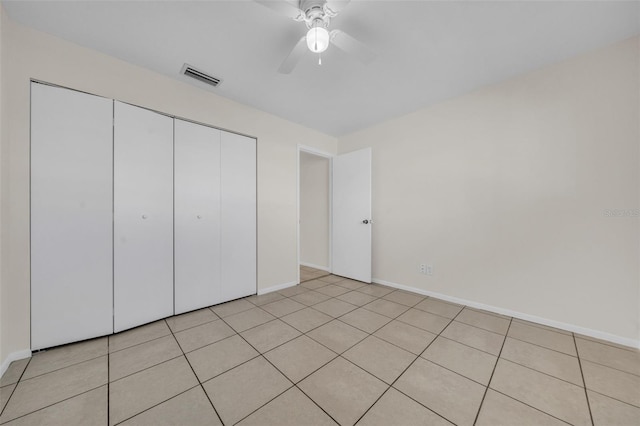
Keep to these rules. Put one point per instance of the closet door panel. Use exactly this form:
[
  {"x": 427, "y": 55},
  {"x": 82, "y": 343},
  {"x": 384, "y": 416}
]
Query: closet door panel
[
  {"x": 238, "y": 213},
  {"x": 197, "y": 216},
  {"x": 143, "y": 216},
  {"x": 71, "y": 216}
]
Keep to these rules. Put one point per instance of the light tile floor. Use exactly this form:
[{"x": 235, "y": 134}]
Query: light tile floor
[{"x": 328, "y": 351}]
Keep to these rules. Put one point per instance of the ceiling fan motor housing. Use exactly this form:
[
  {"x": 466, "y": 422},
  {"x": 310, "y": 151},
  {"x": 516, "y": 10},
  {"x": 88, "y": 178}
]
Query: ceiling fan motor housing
[{"x": 315, "y": 13}]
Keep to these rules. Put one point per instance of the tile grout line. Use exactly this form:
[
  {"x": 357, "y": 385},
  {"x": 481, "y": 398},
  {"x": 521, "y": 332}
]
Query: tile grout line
[
  {"x": 195, "y": 375},
  {"x": 51, "y": 405},
  {"x": 486, "y": 389},
  {"x": 586, "y": 394},
  {"x": 404, "y": 371},
  {"x": 15, "y": 387},
  {"x": 530, "y": 406}
]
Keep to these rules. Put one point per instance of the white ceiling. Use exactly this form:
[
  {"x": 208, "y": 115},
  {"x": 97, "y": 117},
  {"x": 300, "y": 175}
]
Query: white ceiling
[{"x": 428, "y": 51}]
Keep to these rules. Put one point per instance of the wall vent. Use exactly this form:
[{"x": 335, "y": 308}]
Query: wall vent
[{"x": 192, "y": 72}]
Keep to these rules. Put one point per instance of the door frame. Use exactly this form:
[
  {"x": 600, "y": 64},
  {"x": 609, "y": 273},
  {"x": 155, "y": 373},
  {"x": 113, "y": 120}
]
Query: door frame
[{"x": 314, "y": 151}]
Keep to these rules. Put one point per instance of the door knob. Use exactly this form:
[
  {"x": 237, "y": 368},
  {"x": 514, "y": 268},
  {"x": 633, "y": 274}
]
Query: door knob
[
  {"x": 144, "y": 216},
  {"x": 365, "y": 221},
  {"x": 199, "y": 217}
]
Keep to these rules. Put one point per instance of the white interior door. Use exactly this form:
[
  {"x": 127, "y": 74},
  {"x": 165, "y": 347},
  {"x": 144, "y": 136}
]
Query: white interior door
[
  {"x": 197, "y": 216},
  {"x": 352, "y": 215},
  {"x": 71, "y": 222},
  {"x": 143, "y": 216},
  {"x": 238, "y": 215}
]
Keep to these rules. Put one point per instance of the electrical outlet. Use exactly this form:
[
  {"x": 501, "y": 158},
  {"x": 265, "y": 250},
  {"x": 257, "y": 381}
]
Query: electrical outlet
[{"x": 426, "y": 269}]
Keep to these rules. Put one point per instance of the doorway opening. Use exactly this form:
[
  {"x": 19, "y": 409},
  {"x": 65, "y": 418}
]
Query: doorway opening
[{"x": 314, "y": 213}]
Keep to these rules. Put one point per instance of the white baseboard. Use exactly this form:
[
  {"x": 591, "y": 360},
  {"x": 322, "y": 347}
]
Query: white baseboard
[
  {"x": 625, "y": 341},
  {"x": 276, "y": 288},
  {"x": 311, "y": 265},
  {"x": 13, "y": 356}
]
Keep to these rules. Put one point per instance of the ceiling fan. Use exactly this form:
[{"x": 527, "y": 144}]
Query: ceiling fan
[{"x": 317, "y": 15}]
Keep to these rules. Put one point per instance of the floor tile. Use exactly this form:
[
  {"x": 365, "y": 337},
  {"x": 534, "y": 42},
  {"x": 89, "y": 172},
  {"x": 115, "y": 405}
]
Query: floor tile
[
  {"x": 334, "y": 307},
  {"x": 408, "y": 337},
  {"x": 47, "y": 389},
  {"x": 395, "y": 408},
  {"x": 343, "y": 390},
  {"x": 5, "y": 394},
  {"x": 337, "y": 335},
  {"x": 500, "y": 410},
  {"x": 267, "y": 336},
  {"x": 138, "y": 335},
  {"x": 374, "y": 290},
  {"x": 86, "y": 409},
  {"x": 614, "y": 383},
  {"x": 310, "y": 298},
  {"x": 190, "y": 408},
  {"x": 190, "y": 319},
  {"x": 386, "y": 308},
  {"x": 542, "y": 337},
  {"x": 283, "y": 307},
  {"x": 365, "y": 320},
  {"x": 263, "y": 299},
  {"x": 485, "y": 321},
  {"x": 475, "y": 337},
  {"x": 139, "y": 357},
  {"x": 306, "y": 319},
  {"x": 331, "y": 279},
  {"x": 424, "y": 320},
  {"x": 465, "y": 360},
  {"x": 293, "y": 290},
  {"x": 248, "y": 319},
  {"x": 203, "y": 335},
  {"x": 292, "y": 408},
  {"x": 380, "y": 358},
  {"x": 620, "y": 359},
  {"x": 14, "y": 372},
  {"x": 404, "y": 298},
  {"x": 544, "y": 327},
  {"x": 439, "y": 307},
  {"x": 239, "y": 392},
  {"x": 64, "y": 356},
  {"x": 332, "y": 290},
  {"x": 557, "y": 364},
  {"x": 219, "y": 357},
  {"x": 611, "y": 412},
  {"x": 314, "y": 284},
  {"x": 351, "y": 284},
  {"x": 553, "y": 396},
  {"x": 299, "y": 357},
  {"x": 233, "y": 307},
  {"x": 356, "y": 298},
  {"x": 454, "y": 397},
  {"x": 145, "y": 389}
]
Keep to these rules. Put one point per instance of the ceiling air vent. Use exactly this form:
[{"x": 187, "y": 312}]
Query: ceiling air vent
[{"x": 192, "y": 72}]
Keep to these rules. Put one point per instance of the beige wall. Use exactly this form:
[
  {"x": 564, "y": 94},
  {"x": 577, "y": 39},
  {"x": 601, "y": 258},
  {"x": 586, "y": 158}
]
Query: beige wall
[
  {"x": 314, "y": 210},
  {"x": 31, "y": 54},
  {"x": 2, "y": 168},
  {"x": 504, "y": 190}
]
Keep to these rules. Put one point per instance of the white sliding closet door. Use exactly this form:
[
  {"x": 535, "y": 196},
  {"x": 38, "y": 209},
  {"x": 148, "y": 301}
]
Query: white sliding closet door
[
  {"x": 143, "y": 216},
  {"x": 197, "y": 216},
  {"x": 71, "y": 222},
  {"x": 238, "y": 208}
]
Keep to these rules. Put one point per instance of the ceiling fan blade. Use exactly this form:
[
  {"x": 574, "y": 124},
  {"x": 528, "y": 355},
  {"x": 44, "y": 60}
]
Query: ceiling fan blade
[
  {"x": 294, "y": 57},
  {"x": 336, "y": 5},
  {"x": 282, "y": 7},
  {"x": 345, "y": 42}
]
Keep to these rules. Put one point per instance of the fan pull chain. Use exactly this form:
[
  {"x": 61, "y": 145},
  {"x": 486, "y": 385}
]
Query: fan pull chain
[{"x": 319, "y": 59}]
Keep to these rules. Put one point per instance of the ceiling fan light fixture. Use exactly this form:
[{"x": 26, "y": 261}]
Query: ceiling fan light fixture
[{"x": 318, "y": 39}]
